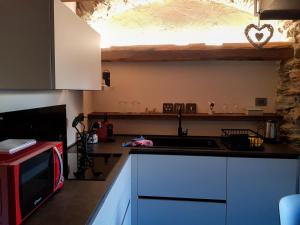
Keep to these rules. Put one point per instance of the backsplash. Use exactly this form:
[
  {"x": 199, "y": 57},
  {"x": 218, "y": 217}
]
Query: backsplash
[
  {"x": 232, "y": 85},
  {"x": 20, "y": 100}
]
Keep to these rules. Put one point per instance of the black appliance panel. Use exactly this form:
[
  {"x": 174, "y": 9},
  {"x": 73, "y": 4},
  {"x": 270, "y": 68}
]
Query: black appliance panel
[
  {"x": 42, "y": 124},
  {"x": 36, "y": 181}
]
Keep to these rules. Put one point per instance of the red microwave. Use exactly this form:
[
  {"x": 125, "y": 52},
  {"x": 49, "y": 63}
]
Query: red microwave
[{"x": 27, "y": 179}]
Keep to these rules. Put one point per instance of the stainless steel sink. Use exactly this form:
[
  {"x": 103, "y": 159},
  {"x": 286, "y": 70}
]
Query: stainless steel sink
[{"x": 183, "y": 142}]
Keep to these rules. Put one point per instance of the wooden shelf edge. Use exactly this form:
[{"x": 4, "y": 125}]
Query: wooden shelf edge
[
  {"x": 197, "y": 116},
  {"x": 240, "y": 51}
]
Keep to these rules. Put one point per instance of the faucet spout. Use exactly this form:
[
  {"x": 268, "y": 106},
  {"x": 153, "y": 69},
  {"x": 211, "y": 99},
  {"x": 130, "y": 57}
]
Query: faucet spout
[{"x": 179, "y": 130}]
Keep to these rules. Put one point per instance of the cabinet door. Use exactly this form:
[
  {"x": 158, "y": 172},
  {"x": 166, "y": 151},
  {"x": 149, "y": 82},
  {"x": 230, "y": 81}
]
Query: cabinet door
[
  {"x": 165, "y": 212},
  {"x": 25, "y": 45},
  {"x": 254, "y": 188},
  {"x": 116, "y": 204},
  {"x": 77, "y": 52},
  {"x": 122, "y": 193},
  {"x": 127, "y": 217},
  {"x": 197, "y": 177},
  {"x": 43, "y": 45},
  {"x": 103, "y": 216}
]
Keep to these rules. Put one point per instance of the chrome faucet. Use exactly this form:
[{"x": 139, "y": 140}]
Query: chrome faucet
[{"x": 180, "y": 132}]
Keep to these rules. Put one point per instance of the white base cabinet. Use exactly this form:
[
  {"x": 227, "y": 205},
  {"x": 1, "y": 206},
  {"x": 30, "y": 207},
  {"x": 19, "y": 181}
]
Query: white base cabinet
[
  {"x": 166, "y": 212},
  {"x": 180, "y": 190},
  {"x": 202, "y": 190},
  {"x": 198, "y": 190},
  {"x": 116, "y": 209},
  {"x": 127, "y": 217},
  {"x": 254, "y": 188}
]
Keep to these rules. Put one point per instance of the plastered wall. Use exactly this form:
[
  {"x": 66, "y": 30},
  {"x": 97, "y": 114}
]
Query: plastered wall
[{"x": 233, "y": 85}]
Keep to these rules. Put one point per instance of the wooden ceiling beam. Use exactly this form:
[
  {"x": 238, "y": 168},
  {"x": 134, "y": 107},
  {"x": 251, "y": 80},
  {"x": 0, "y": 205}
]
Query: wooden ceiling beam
[{"x": 240, "y": 51}]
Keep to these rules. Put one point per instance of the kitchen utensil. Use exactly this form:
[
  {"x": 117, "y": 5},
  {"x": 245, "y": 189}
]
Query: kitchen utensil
[
  {"x": 271, "y": 133},
  {"x": 242, "y": 139}
]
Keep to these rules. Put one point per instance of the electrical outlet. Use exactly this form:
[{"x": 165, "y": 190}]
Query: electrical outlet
[
  {"x": 178, "y": 106},
  {"x": 261, "y": 101},
  {"x": 191, "y": 108},
  {"x": 168, "y": 108}
]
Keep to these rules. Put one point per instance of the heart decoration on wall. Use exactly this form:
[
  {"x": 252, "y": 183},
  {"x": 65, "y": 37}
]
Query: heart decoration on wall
[{"x": 259, "y": 34}]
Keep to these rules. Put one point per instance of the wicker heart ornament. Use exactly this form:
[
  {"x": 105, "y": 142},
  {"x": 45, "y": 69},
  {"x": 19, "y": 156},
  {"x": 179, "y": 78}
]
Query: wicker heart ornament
[{"x": 259, "y": 35}]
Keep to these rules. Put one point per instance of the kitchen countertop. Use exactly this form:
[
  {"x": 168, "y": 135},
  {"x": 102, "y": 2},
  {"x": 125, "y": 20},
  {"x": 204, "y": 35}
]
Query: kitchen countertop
[
  {"x": 269, "y": 151},
  {"x": 78, "y": 200}
]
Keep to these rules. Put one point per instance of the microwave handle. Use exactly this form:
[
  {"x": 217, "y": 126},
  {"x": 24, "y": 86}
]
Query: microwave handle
[{"x": 61, "y": 169}]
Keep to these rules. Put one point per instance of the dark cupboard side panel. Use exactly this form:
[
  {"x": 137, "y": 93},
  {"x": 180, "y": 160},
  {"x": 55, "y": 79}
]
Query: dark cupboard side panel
[{"x": 25, "y": 43}]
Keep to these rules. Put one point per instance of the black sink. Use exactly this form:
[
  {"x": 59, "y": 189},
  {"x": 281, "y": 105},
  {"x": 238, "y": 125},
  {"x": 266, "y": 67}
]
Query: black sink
[{"x": 183, "y": 142}]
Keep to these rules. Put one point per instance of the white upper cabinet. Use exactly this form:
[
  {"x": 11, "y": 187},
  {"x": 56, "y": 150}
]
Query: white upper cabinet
[{"x": 44, "y": 45}]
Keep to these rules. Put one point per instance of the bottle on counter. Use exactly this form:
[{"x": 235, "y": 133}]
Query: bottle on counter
[{"x": 105, "y": 132}]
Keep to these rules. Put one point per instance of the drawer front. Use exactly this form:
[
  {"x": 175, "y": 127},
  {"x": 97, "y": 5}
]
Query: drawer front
[
  {"x": 164, "y": 212},
  {"x": 255, "y": 187},
  {"x": 198, "y": 177}
]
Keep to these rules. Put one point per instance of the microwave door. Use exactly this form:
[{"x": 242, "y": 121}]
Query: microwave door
[{"x": 36, "y": 181}]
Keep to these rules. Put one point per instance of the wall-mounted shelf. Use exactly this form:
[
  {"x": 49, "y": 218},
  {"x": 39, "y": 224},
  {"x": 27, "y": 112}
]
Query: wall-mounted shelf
[
  {"x": 196, "y": 116},
  {"x": 237, "y": 51}
]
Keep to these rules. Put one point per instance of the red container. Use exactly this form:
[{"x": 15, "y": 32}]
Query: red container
[
  {"x": 105, "y": 132},
  {"x": 27, "y": 179}
]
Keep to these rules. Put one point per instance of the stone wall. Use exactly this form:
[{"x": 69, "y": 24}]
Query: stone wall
[
  {"x": 85, "y": 9},
  {"x": 288, "y": 92}
]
